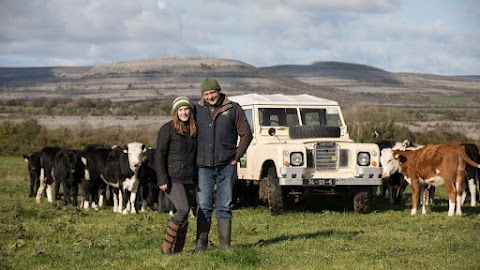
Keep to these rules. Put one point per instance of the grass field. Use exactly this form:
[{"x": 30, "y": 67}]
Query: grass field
[{"x": 51, "y": 236}]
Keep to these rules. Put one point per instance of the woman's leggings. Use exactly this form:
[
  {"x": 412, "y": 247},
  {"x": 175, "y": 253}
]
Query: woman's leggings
[{"x": 181, "y": 196}]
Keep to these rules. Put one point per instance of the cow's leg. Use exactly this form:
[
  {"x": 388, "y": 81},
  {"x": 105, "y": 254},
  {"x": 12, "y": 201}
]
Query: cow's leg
[
  {"x": 383, "y": 187},
  {"x": 126, "y": 201},
  {"x": 133, "y": 197},
  {"x": 66, "y": 193},
  {"x": 452, "y": 195},
  {"x": 75, "y": 194},
  {"x": 86, "y": 194},
  {"x": 415, "y": 187},
  {"x": 156, "y": 198},
  {"x": 145, "y": 191},
  {"x": 390, "y": 194},
  {"x": 121, "y": 202},
  {"x": 32, "y": 187},
  {"x": 473, "y": 192},
  {"x": 41, "y": 186},
  {"x": 458, "y": 190},
  {"x": 115, "y": 202},
  {"x": 57, "y": 188},
  {"x": 103, "y": 192},
  {"x": 401, "y": 190},
  {"x": 424, "y": 199},
  {"x": 49, "y": 193}
]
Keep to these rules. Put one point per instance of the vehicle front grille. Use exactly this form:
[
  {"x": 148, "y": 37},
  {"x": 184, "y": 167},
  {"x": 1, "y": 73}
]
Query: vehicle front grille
[{"x": 327, "y": 155}]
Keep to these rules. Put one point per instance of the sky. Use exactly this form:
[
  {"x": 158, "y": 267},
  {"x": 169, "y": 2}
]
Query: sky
[{"x": 421, "y": 36}]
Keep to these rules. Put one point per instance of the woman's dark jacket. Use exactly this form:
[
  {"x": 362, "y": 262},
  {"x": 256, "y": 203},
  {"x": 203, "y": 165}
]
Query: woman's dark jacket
[{"x": 175, "y": 156}]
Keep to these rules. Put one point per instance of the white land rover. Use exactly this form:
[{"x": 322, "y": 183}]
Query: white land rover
[{"x": 301, "y": 147}]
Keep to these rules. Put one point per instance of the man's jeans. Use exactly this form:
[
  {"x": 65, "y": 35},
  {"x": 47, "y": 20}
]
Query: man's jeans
[{"x": 224, "y": 177}]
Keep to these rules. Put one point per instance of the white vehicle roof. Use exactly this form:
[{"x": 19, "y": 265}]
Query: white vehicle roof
[{"x": 279, "y": 99}]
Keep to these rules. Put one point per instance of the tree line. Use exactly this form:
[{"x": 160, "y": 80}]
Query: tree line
[{"x": 364, "y": 125}]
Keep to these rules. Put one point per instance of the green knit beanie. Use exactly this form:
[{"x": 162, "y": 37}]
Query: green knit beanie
[
  {"x": 179, "y": 102},
  {"x": 210, "y": 84}
]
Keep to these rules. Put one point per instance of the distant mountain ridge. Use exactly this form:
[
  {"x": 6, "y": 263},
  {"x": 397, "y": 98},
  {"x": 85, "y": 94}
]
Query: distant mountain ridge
[{"x": 171, "y": 76}]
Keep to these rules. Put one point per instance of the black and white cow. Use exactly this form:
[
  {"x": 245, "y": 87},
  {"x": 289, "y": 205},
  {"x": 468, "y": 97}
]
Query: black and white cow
[
  {"x": 393, "y": 181},
  {"x": 95, "y": 161},
  {"x": 34, "y": 168},
  {"x": 117, "y": 167},
  {"x": 47, "y": 155},
  {"x": 68, "y": 170},
  {"x": 471, "y": 174},
  {"x": 148, "y": 184}
]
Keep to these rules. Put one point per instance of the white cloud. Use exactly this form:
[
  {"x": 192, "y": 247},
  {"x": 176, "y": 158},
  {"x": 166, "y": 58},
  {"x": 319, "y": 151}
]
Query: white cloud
[{"x": 260, "y": 33}]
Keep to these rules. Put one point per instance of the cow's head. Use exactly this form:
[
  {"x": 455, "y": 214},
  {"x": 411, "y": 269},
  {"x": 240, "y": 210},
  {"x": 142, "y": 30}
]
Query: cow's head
[
  {"x": 389, "y": 163},
  {"x": 33, "y": 165},
  {"x": 135, "y": 151}
]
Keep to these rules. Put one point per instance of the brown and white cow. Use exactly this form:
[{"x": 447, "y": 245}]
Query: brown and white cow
[{"x": 436, "y": 165}]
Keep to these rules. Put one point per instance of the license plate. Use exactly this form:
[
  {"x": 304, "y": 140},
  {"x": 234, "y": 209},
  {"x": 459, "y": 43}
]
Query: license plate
[{"x": 319, "y": 182}]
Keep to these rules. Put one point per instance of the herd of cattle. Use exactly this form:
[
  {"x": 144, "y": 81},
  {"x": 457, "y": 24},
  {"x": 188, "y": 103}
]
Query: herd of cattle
[
  {"x": 429, "y": 166},
  {"x": 130, "y": 168},
  {"x": 125, "y": 169}
]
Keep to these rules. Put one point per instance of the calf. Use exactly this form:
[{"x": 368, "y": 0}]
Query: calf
[
  {"x": 117, "y": 167},
  {"x": 95, "y": 162},
  {"x": 148, "y": 184},
  {"x": 69, "y": 170},
  {"x": 34, "y": 168},
  {"x": 47, "y": 155},
  {"x": 471, "y": 173},
  {"x": 441, "y": 164}
]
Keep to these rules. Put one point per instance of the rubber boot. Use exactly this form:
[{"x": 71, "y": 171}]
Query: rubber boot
[
  {"x": 170, "y": 235},
  {"x": 203, "y": 228},
  {"x": 181, "y": 236},
  {"x": 224, "y": 233}
]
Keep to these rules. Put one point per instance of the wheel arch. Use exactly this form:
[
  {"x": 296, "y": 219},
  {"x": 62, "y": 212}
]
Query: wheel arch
[{"x": 267, "y": 164}]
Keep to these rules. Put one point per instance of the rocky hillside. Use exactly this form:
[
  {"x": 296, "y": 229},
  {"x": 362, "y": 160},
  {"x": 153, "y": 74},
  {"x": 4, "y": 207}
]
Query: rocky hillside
[{"x": 172, "y": 76}]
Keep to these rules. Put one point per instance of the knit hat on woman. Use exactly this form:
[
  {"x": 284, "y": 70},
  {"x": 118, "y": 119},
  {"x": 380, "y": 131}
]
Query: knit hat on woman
[
  {"x": 179, "y": 102},
  {"x": 210, "y": 84}
]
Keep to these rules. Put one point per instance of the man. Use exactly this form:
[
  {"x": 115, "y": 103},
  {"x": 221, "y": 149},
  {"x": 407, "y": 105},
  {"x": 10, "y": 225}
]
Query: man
[{"x": 219, "y": 122}]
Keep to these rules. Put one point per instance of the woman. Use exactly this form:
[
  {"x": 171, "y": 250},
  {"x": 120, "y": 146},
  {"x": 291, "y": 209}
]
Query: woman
[{"x": 175, "y": 159}]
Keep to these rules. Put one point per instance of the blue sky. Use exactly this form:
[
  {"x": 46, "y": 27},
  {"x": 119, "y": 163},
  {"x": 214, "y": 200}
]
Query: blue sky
[{"x": 427, "y": 36}]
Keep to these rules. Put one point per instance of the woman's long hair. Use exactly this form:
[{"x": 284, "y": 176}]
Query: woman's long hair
[{"x": 180, "y": 128}]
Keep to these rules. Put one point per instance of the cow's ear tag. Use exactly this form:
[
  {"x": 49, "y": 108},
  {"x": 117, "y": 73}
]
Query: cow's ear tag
[
  {"x": 125, "y": 151},
  {"x": 396, "y": 156},
  {"x": 26, "y": 160}
]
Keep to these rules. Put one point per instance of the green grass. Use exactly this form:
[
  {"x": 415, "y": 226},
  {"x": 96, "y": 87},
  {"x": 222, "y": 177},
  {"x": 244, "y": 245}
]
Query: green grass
[{"x": 51, "y": 236}]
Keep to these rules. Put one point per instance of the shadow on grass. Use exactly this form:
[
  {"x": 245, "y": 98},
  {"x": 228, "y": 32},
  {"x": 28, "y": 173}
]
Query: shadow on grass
[
  {"x": 380, "y": 204},
  {"x": 303, "y": 236},
  {"x": 333, "y": 204},
  {"x": 441, "y": 205}
]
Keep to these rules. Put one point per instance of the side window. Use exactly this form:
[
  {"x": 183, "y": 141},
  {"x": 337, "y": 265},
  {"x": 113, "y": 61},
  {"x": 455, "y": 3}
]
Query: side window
[
  {"x": 322, "y": 117},
  {"x": 312, "y": 117},
  {"x": 292, "y": 118},
  {"x": 248, "y": 114},
  {"x": 278, "y": 117},
  {"x": 333, "y": 118}
]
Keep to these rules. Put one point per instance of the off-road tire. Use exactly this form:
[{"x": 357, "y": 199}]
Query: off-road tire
[
  {"x": 362, "y": 202},
  {"x": 275, "y": 198},
  {"x": 305, "y": 132}
]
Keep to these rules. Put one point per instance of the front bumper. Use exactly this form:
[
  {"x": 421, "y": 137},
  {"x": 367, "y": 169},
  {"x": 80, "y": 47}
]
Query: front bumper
[{"x": 365, "y": 176}]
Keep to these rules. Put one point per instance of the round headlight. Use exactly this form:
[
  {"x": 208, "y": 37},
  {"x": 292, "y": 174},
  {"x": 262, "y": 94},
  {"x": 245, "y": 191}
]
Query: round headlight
[
  {"x": 296, "y": 159},
  {"x": 363, "y": 159}
]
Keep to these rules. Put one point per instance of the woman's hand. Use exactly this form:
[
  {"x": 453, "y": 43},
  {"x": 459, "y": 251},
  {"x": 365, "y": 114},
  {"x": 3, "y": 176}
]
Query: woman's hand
[{"x": 164, "y": 187}]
